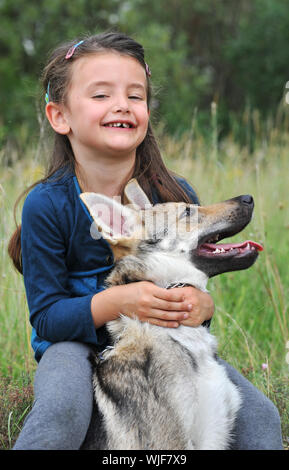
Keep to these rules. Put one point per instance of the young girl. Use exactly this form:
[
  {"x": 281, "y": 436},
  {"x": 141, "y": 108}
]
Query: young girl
[{"x": 98, "y": 103}]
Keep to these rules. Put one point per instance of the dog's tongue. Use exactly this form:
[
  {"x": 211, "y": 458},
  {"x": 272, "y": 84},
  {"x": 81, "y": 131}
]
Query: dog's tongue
[{"x": 228, "y": 246}]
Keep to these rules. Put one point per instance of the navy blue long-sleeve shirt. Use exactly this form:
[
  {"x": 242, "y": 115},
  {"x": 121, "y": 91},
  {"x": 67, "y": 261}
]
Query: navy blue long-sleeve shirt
[{"x": 63, "y": 266}]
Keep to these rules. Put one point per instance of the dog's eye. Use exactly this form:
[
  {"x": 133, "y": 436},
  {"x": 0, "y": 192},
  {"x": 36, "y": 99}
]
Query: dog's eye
[{"x": 188, "y": 212}]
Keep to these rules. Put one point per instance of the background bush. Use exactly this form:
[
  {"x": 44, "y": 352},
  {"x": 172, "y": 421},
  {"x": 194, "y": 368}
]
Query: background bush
[{"x": 233, "y": 52}]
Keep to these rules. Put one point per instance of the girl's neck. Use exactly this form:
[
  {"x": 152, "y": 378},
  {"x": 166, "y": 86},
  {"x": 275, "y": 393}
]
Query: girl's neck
[{"x": 106, "y": 178}]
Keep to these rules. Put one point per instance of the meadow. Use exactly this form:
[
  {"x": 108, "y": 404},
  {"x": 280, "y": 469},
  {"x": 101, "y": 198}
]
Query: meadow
[{"x": 251, "y": 316}]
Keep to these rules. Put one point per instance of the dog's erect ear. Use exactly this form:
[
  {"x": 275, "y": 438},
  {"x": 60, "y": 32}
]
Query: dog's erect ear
[
  {"x": 136, "y": 196},
  {"x": 112, "y": 219}
]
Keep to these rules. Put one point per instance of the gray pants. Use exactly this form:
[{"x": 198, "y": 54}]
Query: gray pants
[{"x": 62, "y": 409}]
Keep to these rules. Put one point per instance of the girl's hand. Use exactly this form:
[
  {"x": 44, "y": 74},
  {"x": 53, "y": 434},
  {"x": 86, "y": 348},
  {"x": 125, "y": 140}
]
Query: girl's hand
[
  {"x": 156, "y": 305},
  {"x": 148, "y": 302},
  {"x": 202, "y": 306}
]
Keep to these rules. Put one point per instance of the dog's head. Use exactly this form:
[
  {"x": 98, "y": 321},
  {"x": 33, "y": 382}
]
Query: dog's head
[{"x": 178, "y": 230}]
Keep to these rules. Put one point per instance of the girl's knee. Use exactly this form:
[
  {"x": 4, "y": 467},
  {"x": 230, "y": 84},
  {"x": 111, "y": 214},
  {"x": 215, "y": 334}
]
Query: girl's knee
[
  {"x": 273, "y": 414},
  {"x": 258, "y": 425},
  {"x": 71, "y": 348},
  {"x": 67, "y": 358}
]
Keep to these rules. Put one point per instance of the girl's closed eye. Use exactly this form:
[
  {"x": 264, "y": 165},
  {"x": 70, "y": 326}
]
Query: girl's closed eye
[
  {"x": 100, "y": 96},
  {"x": 132, "y": 97}
]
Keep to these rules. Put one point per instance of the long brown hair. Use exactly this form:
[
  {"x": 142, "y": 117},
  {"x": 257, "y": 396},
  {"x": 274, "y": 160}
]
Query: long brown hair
[{"x": 150, "y": 170}]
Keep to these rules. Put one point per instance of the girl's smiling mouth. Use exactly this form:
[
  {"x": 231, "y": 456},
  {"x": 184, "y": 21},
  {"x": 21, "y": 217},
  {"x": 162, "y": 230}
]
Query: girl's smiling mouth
[{"x": 120, "y": 124}]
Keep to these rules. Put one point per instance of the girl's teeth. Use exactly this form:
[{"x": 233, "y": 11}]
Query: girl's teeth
[{"x": 119, "y": 124}]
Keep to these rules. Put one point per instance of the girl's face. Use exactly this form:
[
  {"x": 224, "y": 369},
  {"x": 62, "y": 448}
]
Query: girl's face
[{"x": 106, "y": 110}]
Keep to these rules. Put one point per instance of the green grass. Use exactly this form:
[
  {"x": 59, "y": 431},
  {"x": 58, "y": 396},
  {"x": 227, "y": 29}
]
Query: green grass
[{"x": 251, "y": 318}]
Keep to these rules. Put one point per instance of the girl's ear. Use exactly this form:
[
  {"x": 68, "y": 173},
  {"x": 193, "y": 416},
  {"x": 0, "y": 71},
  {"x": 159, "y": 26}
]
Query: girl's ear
[
  {"x": 56, "y": 116},
  {"x": 115, "y": 221}
]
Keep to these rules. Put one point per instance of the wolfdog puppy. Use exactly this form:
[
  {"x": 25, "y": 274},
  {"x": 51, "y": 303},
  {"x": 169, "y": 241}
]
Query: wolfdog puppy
[{"x": 163, "y": 388}]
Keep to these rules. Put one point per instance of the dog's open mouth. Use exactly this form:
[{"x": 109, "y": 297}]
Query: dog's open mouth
[
  {"x": 214, "y": 258},
  {"x": 228, "y": 249}
]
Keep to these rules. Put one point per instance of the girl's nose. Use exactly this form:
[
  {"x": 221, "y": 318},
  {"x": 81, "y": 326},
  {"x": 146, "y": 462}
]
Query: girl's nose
[{"x": 121, "y": 105}]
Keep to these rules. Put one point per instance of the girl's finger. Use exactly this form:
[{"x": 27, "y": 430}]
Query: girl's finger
[
  {"x": 171, "y": 295},
  {"x": 166, "y": 305},
  {"x": 167, "y": 316}
]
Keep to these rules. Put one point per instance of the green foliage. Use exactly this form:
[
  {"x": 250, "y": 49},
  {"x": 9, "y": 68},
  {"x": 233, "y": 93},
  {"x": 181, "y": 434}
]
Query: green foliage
[
  {"x": 232, "y": 52},
  {"x": 259, "y": 54}
]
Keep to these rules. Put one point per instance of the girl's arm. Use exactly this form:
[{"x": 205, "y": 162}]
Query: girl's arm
[{"x": 54, "y": 313}]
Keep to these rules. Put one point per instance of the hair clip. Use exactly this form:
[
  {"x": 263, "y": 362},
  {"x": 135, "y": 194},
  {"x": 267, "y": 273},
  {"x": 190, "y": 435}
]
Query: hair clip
[
  {"x": 70, "y": 51},
  {"x": 47, "y": 94},
  {"x": 148, "y": 70}
]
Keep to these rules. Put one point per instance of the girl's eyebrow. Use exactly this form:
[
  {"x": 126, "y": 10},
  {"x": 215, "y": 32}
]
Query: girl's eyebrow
[{"x": 106, "y": 83}]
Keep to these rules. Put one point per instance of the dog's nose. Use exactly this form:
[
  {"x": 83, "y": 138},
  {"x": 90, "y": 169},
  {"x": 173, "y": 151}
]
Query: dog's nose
[{"x": 247, "y": 200}]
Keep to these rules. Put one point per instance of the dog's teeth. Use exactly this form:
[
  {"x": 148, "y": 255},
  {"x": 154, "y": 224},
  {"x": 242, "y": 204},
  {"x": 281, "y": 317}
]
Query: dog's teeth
[{"x": 219, "y": 250}]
